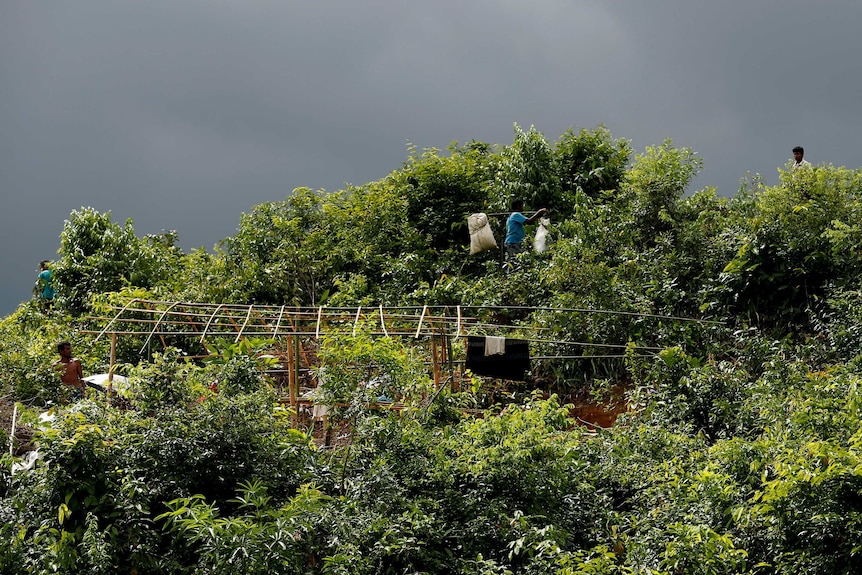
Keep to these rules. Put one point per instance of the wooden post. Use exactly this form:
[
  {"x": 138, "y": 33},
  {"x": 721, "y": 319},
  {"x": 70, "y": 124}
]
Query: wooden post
[
  {"x": 293, "y": 397},
  {"x": 291, "y": 380},
  {"x": 113, "y": 363},
  {"x": 435, "y": 362},
  {"x": 455, "y": 385}
]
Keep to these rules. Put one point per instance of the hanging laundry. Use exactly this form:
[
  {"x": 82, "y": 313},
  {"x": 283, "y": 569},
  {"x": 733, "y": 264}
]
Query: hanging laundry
[
  {"x": 495, "y": 345},
  {"x": 512, "y": 364}
]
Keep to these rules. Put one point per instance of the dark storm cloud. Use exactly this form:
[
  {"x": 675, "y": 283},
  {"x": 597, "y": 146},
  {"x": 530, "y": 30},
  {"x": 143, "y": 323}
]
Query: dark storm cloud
[
  {"x": 742, "y": 82},
  {"x": 182, "y": 115}
]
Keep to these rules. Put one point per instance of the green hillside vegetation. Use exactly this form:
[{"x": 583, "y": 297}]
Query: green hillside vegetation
[{"x": 740, "y": 452}]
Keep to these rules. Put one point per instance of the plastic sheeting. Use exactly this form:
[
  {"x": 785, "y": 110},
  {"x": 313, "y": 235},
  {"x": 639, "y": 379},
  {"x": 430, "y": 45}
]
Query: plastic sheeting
[{"x": 512, "y": 364}]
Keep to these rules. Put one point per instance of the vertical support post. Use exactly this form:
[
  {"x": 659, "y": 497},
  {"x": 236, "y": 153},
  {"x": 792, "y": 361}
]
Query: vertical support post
[
  {"x": 435, "y": 361},
  {"x": 12, "y": 431},
  {"x": 113, "y": 363},
  {"x": 293, "y": 396},
  {"x": 291, "y": 381},
  {"x": 451, "y": 365}
]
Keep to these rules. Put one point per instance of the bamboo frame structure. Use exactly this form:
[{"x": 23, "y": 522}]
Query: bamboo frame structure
[
  {"x": 182, "y": 319},
  {"x": 434, "y": 326}
]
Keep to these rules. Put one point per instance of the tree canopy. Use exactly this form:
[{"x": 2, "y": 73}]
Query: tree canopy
[{"x": 739, "y": 449}]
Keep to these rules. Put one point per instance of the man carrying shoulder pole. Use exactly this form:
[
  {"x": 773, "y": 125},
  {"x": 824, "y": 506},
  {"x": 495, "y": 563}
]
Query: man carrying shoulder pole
[{"x": 515, "y": 232}]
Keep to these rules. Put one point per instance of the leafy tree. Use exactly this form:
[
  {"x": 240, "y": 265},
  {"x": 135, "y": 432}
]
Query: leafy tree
[
  {"x": 97, "y": 255},
  {"x": 590, "y": 161},
  {"x": 794, "y": 244},
  {"x": 260, "y": 538},
  {"x": 527, "y": 171},
  {"x": 272, "y": 259},
  {"x": 653, "y": 187},
  {"x": 105, "y": 474},
  {"x": 442, "y": 191}
]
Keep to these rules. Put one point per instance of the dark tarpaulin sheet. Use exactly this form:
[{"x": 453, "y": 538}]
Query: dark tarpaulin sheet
[{"x": 512, "y": 364}]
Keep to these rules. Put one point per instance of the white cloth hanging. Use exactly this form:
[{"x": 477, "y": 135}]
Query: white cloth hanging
[{"x": 495, "y": 345}]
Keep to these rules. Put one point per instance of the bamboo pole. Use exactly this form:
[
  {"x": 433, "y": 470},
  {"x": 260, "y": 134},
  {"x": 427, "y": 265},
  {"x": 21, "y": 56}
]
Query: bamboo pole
[
  {"x": 278, "y": 322},
  {"x": 356, "y": 321},
  {"x": 113, "y": 363},
  {"x": 421, "y": 317},
  {"x": 436, "y": 362},
  {"x": 12, "y": 431},
  {"x": 245, "y": 323},
  {"x": 290, "y": 375},
  {"x": 449, "y": 362},
  {"x": 119, "y": 313},
  {"x": 155, "y": 327},
  {"x": 204, "y": 334},
  {"x": 464, "y": 307},
  {"x": 383, "y": 322},
  {"x": 293, "y": 396}
]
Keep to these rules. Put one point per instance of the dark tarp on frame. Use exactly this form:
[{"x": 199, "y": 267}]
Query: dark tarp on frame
[{"x": 512, "y": 364}]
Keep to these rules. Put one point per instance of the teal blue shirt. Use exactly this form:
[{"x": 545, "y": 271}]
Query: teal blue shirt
[
  {"x": 515, "y": 228},
  {"x": 47, "y": 288}
]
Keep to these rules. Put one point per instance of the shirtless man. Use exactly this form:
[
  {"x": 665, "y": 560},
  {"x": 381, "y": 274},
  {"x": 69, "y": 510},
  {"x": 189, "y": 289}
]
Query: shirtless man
[{"x": 71, "y": 372}]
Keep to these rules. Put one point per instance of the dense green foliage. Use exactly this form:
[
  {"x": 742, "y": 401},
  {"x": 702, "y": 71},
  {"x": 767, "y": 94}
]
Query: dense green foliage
[{"x": 741, "y": 450}]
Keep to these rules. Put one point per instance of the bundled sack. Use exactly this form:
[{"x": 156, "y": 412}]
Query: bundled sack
[
  {"x": 481, "y": 236},
  {"x": 540, "y": 242}
]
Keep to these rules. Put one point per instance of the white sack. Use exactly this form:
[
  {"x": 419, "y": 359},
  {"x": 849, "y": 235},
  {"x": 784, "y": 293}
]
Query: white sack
[
  {"x": 541, "y": 240},
  {"x": 481, "y": 236}
]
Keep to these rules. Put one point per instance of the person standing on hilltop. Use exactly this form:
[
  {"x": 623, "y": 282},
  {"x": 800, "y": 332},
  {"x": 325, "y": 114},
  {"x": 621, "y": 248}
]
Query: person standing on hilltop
[
  {"x": 45, "y": 285},
  {"x": 798, "y": 161},
  {"x": 515, "y": 231}
]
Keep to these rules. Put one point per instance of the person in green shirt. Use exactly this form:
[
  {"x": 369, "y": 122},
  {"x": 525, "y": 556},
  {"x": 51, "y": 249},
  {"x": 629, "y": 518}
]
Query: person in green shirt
[{"x": 45, "y": 285}]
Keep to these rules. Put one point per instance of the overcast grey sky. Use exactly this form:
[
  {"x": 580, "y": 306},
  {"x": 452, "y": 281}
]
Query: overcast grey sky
[{"x": 183, "y": 114}]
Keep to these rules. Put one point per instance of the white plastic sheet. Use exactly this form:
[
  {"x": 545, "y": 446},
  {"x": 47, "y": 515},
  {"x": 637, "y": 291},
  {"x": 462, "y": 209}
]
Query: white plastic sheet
[{"x": 540, "y": 241}]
